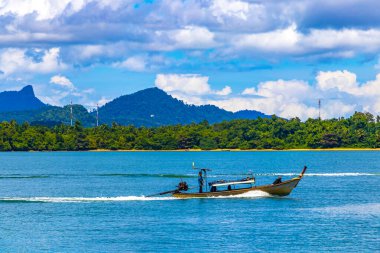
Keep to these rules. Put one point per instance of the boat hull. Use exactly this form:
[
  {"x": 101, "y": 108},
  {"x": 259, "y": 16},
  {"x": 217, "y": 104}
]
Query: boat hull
[{"x": 281, "y": 189}]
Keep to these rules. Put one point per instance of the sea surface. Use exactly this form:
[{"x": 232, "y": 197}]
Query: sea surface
[{"x": 95, "y": 202}]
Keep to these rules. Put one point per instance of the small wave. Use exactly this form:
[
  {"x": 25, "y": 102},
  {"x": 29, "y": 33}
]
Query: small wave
[
  {"x": 82, "y": 199},
  {"x": 22, "y": 176},
  {"x": 339, "y": 174},
  {"x": 159, "y": 175},
  {"x": 368, "y": 209},
  {"x": 343, "y": 174}
]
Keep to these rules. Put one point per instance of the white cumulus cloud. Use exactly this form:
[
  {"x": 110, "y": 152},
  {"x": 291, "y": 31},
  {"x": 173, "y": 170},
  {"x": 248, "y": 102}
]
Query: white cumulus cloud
[
  {"x": 42, "y": 9},
  {"x": 290, "y": 41},
  {"x": 191, "y": 88},
  {"x": 134, "y": 63},
  {"x": 61, "y": 90},
  {"x": 14, "y": 60},
  {"x": 341, "y": 80},
  {"x": 339, "y": 92},
  {"x": 188, "y": 37},
  {"x": 281, "y": 40},
  {"x": 190, "y": 84},
  {"x": 62, "y": 81},
  {"x": 229, "y": 8},
  {"x": 224, "y": 92},
  {"x": 49, "y": 9}
]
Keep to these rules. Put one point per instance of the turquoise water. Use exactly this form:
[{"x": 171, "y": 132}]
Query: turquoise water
[{"x": 94, "y": 202}]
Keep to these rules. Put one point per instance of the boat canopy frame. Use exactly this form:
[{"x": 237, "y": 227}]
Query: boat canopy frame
[{"x": 227, "y": 183}]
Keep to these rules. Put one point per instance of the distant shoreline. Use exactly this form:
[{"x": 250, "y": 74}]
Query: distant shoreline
[
  {"x": 201, "y": 150},
  {"x": 237, "y": 150}
]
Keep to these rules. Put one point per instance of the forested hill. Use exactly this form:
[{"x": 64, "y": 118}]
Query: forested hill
[
  {"x": 50, "y": 116},
  {"x": 153, "y": 107},
  {"x": 149, "y": 107},
  {"x": 24, "y": 106},
  {"x": 361, "y": 130}
]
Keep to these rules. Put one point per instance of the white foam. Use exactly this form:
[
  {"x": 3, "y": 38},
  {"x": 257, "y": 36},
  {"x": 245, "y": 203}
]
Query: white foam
[
  {"x": 254, "y": 194},
  {"x": 250, "y": 194}
]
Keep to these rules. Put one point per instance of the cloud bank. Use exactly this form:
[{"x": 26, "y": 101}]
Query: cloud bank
[
  {"x": 229, "y": 28},
  {"x": 339, "y": 92}
]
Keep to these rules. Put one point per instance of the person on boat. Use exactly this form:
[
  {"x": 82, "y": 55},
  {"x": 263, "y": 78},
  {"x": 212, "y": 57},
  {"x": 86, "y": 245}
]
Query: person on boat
[
  {"x": 200, "y": 181},
  {"x": 278, "y": 180},
  {"x": 182, "y": 186}
]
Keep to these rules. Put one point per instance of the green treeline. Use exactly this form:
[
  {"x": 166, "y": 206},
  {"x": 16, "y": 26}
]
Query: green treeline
[{"x": 361, "y": 130}]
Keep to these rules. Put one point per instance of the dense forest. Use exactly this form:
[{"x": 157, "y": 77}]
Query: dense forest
[{"x": 361, "y": 130}]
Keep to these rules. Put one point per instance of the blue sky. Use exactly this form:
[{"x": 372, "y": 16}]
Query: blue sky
[{"x": 278, "y": 57}]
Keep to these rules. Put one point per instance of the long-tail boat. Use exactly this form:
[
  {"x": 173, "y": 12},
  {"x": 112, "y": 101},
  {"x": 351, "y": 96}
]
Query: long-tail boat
[{"x": 231, "y": 188}]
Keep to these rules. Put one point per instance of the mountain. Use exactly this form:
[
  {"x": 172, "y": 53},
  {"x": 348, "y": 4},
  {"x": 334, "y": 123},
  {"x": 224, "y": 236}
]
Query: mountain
[
  {"x": 24, "y": 106},
  {"x": 249, "y": 114},
  {"x": 154, "y": 107},
  {"x": 22, "y": 100},
  {"x": 62, "y": 115},
  {"x": 149, "y": 107},
  {"x": 51, "y": 115}
]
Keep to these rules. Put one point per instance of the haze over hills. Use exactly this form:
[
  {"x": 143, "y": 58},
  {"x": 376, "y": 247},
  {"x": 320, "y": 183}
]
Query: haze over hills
[{"x": 149, "y": 107}]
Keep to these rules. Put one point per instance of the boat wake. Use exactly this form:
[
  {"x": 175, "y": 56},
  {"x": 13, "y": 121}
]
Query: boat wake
[
  {"x": 83, "y": 199},
  {"x": 254, "y": 194}
]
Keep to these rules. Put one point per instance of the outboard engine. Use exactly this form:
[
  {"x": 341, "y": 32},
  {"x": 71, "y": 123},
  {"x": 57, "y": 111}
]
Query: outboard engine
[{"x": 182, "y": 186}]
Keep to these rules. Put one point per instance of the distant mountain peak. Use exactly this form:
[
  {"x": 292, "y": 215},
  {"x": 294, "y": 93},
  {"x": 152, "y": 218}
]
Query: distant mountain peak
[
  {"x": 150, "y": 91},
  {"x": 138, "y": 108},
  {"x": 23, "y": 100},
  {"x": 27, "y": 90}
]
